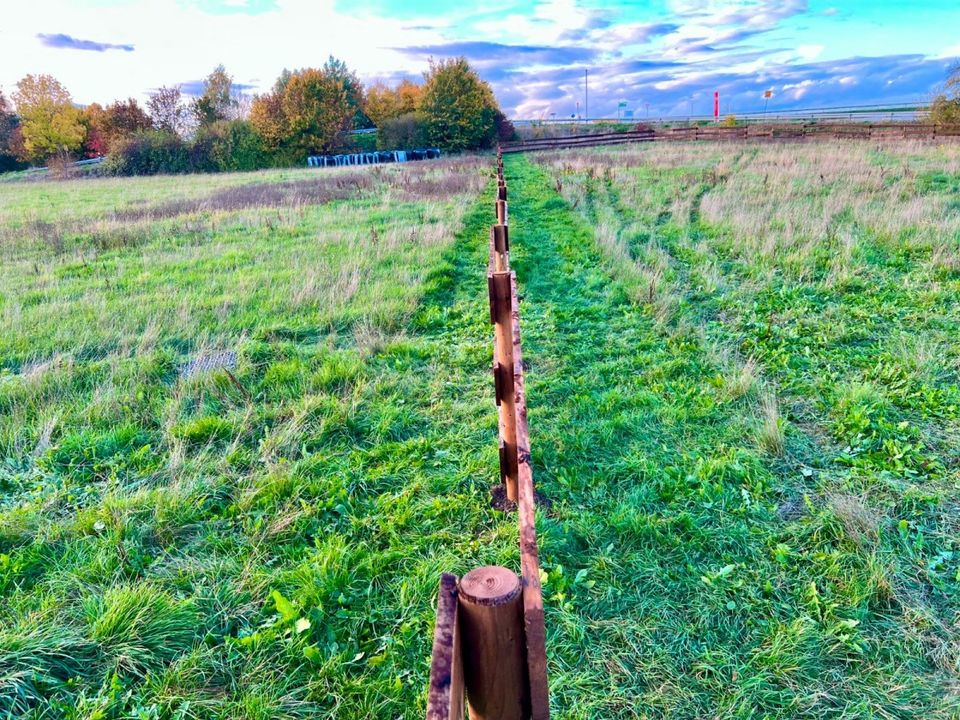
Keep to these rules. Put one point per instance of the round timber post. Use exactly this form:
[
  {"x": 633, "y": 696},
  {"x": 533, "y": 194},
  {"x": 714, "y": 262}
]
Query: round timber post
[{"x": 494, "y": 648}]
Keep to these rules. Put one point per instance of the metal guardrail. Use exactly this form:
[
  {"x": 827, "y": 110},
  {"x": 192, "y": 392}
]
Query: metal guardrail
[
  {"x": 818, "y": 131},
  {"x": 899, "y": 112}
]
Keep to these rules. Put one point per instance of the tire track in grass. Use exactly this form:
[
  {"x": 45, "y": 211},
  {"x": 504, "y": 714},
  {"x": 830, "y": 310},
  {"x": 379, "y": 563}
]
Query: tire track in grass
[{"x": 673, "y": 589}]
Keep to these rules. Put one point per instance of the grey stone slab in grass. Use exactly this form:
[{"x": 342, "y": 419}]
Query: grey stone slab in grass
[{"x": 211, "y": 361}]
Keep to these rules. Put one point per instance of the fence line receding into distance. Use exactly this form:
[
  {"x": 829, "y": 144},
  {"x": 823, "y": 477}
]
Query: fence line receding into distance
[
  {"x": 489, "y": 645},
  {"x": 796, "y": 131}
]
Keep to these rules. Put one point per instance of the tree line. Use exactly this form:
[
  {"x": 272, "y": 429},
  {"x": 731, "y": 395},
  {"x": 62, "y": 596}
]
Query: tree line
[{"x": 307, "y": 111}]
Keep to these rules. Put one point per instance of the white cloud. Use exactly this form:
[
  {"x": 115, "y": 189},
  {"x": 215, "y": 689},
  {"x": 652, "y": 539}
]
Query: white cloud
[
  {"x": 175, "y": 44},
  {"x": 797, "y": 90},
  {"x": 809, "y": 52},
  {"x": 951, "y": 52}
]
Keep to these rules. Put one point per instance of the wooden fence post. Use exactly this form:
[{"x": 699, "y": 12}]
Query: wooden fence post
[
  {"x": 494, "y": 662},
  {"x": 501, "y": 313}
]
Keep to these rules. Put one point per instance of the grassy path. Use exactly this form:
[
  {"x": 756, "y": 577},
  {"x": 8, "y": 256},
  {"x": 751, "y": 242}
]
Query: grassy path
[{"x": 675, "y": 587}]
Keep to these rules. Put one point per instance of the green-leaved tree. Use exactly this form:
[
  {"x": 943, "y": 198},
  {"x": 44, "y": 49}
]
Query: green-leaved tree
[
  {"x": 337, "y": 70},
  {"x": 217, "y": 101},
  {"x": 458, "y": 108},
  {"x": 51, "y": 124}
]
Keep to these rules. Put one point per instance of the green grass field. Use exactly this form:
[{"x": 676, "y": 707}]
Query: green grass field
[{"x": 743, "y": 407}]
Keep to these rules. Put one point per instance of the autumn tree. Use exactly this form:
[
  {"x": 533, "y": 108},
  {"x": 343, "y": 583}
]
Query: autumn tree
[
  {"x": 317, "y": 108},
  {"x": 459, "y": 108},
  {"x": 95, "y": 141},
  {"x": 51, "y": 124},
  {"x": 124, "y": 118},
  {"x": 105, "y": 127},
  {"x": 266, "y": 116},
  {"x": 307, "y": 113},
  {"x": 385, "y": 103},
  {"x": 216, "y": 101},
  {"x": 167, "y": 110}
]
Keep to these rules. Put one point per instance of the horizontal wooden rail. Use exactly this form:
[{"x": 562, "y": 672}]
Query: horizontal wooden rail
[
  {"x": 534, "y": 626},
  {"x": 445, "y": 697}
]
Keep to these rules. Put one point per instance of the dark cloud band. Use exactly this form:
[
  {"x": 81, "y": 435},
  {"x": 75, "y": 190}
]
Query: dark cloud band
[{"x": 68, "y": 42}]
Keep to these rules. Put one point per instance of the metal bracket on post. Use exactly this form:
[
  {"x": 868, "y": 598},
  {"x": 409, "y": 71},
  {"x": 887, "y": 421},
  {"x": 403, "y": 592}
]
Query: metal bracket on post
[
  {"x": 501, "y": 238},
  {"x": 498, "y": 382}
]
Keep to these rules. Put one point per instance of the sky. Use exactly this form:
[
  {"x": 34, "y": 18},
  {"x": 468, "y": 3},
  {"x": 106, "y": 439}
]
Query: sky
[{"x": 659, "y": 57}]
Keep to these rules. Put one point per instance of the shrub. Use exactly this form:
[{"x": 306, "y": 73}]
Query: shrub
[
  {"x": 223, "y": 146},
  {"x": 241, "y": 148},
  {"x": 944, "y": 111},
  {"x": 149, "y": 153},
  {"x": 402, "y": 133}
]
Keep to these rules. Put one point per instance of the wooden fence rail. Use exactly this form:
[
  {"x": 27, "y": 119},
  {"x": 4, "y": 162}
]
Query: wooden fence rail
[
  {"x": 490, "y": 635},
  {"x": 795, "y": 131}
]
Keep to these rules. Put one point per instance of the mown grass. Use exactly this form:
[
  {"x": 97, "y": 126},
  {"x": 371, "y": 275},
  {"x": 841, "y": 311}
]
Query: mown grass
[{"x": 741, "y": 524}]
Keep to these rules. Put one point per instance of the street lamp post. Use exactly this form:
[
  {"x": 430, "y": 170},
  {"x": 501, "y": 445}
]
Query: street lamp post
[{"x": 586, "y": 95}]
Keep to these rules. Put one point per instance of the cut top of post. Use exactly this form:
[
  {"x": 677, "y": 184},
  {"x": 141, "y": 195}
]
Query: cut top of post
[{"x": 489, "y": 585}]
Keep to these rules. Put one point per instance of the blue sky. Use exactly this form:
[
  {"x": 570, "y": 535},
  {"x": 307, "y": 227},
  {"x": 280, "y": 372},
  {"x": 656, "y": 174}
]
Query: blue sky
[{"x": 669, "y": 55}]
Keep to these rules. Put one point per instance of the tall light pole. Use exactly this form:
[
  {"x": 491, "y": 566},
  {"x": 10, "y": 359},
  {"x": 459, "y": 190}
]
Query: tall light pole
[{"x": 586, "y": 95}]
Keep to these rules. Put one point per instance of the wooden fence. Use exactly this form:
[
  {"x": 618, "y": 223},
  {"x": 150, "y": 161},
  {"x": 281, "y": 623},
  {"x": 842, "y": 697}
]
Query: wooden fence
[
  {"x": 795, "y": 131},
  {"x": 489, "y": 645}
]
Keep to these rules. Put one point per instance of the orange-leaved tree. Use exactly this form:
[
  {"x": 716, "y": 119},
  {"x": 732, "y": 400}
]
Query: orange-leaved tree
[
  {"x": 385, "y": 103},
  {"x": 308, "y": 112}
]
